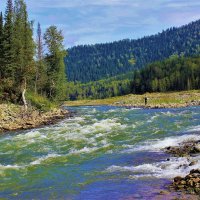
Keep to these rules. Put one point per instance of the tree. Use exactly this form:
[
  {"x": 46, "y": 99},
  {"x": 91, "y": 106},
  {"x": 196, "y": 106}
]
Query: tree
[
  {"x": 24, "y": 48},
  {"x": 1, "y": 45},
  {"x": 55, "y": 59},
  {"x": 40, "y": 67},
  {"x": 8, "y": 70}
]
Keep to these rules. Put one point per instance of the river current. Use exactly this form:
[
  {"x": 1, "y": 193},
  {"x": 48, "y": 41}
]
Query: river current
[{"x": 101, "y": 153}]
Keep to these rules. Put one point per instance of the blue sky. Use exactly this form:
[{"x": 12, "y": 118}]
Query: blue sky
[{"x": 100, "y": 21}]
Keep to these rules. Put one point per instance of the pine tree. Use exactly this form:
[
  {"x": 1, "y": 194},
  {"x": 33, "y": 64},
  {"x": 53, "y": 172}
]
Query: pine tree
[
  {"x": 24, "y": 49},
  {"x": 1, "y": 45},
  {"x": 39, "y": 43},
  {"x": 8, "y": 70},
  {"x": 40, "y": 71}
]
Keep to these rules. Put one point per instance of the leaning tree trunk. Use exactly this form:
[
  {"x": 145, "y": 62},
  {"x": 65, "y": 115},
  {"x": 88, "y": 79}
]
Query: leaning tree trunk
[{"x": 23, "y": 95}]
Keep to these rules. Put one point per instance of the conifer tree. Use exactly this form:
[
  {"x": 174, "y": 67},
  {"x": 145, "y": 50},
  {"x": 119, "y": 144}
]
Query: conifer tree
[
  {"x": 8, "y": 70},
  {"x": 24, "y": 49},
  {"x": 1, "y": 45},
  {"x": 40, "y": 70}
]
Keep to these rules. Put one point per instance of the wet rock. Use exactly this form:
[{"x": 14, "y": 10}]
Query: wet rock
[
  {"x": 164, "y": 192},
  {"x": 193, "y": 163},
  {"x": 185, "y": 149},
  {"x": 197, "y": 148},
  {"x": 195, "y": 171},
  {"x": 190, "y": 183}
]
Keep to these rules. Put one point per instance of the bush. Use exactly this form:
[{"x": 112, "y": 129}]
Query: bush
[{"x": 40, "y": 102}]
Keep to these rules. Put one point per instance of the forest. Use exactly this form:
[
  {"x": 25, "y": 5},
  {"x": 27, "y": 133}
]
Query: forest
[
  {"x": 94, "y": 62},
  {"x": 173, "y": 74},
  {"x": 98, "y": 89},
  {"x": 26, "y": 74}
]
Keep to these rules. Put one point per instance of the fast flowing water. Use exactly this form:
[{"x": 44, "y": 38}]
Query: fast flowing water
[{"x": 101, "y": 153}]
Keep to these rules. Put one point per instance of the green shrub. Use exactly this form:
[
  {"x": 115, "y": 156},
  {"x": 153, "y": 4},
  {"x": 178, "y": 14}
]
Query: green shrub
[{"x": 40, "y": 102}]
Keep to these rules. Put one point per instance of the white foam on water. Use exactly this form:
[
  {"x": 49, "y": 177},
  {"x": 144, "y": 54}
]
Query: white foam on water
[
  {"x": 4, "y": 167},
  {"x": 159, "y": 144},
  {"x": 88, "y": 150},
  {"x": 29, "y": 135},
  {"x": 164, "y": 169},
  {"x": 99, "y": 135},
  {"x": 44, "y": 158},
  {"x": 76, "y": 119},
  {"x": 193, "y": 128},
  {"x": 152, "y": 118},
  {"x": 103, "y": 126},
  {"x": 108, "y": 124},
  {"x": 112, "y": 110},
  {"x": 93, "y": 110},
  {"x": 83, "y": 150},
  {"x": 36, "y": 162}
]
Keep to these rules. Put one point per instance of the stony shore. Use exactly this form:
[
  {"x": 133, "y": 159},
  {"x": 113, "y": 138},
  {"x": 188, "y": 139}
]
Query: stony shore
[
  {"x": 162, "y": 105},
  {"x": 12, "y": 117},
  {"x": 190, "y": 184}
]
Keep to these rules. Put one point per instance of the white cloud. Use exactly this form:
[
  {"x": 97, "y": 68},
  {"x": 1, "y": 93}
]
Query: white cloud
[{"x": 90, "y": 21}]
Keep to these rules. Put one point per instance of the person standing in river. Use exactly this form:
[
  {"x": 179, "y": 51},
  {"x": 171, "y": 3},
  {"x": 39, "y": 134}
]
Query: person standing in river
[{"x": 145, "y": 101}]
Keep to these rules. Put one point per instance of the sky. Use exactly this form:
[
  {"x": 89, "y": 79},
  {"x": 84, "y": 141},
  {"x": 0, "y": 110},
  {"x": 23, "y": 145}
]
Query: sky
[{"x": 101, "y": 21}]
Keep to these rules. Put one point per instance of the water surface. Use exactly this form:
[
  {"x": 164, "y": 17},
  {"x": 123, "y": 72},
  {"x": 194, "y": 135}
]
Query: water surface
[{"x": 103, "y": 152}]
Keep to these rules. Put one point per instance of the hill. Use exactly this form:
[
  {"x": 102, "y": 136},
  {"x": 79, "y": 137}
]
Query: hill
[
  {"x": 173, "y": 74},
  {"x": 87, "y": 63}
]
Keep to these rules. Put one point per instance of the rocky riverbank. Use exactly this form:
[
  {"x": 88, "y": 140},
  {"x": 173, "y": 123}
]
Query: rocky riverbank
[
  {"x": 190, "y": 184},
  {"x": 12, "y": 117}
]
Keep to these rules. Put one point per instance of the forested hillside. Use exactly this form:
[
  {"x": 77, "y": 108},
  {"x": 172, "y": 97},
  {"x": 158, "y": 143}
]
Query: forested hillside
[
  {"x": 93, "y": 62},
  {"x": 114, "y": 86},
  {"x": 173, "y": 74}
]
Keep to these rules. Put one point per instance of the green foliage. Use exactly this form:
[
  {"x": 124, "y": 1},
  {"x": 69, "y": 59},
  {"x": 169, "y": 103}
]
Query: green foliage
[
  {"x": 19, "y": 71},
  {"x": 1, "y": 44},
  {"x": 173, "y": 74},
  {"x": 23, "y": 44},
  {"x": 55, "y": 64},
  {"x": 132, "y": 61},
  {"x": 99, "y": 89},
  {"x": 40, "y": 65},
  {"x": 8, "y": 66},
  {"x": 40, "y": 102},
  {"x": 87, "y": 63},
  {"x": 54, "y": 39}
]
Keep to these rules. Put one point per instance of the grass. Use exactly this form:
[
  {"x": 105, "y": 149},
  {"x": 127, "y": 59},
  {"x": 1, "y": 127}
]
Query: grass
[
  {"x": 40, "y": 102},
  {"x": 169, "y": 99}
]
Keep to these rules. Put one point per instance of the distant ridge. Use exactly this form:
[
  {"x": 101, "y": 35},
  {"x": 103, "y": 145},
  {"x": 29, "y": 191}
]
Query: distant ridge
[{"x": 87, "y": 63}]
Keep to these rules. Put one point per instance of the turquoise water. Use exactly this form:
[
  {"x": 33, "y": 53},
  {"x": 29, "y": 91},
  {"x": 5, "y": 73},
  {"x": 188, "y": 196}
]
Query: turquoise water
[{"x": 102, "y": 152}]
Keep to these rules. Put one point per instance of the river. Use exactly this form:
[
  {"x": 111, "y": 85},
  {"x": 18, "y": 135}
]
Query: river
[{"x": 101, "y": 153}]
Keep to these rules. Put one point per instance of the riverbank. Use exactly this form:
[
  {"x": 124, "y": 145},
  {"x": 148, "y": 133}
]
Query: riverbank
[
  {"x": 190, "y": 184},
  {"x": 12, "y": 117},
  {"x": 154, "y": 100}
]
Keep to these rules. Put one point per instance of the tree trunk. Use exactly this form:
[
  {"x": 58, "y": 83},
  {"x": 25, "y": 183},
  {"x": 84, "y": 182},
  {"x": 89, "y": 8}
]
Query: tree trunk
[
  {"x": 36, "y": 79},
  {"x": 23, "y": 95}
]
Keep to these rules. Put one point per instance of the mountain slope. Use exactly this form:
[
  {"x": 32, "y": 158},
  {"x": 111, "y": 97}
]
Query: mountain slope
[
  {"x": 93, "y": 62},
  {"x": 173, "y": 74}
]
